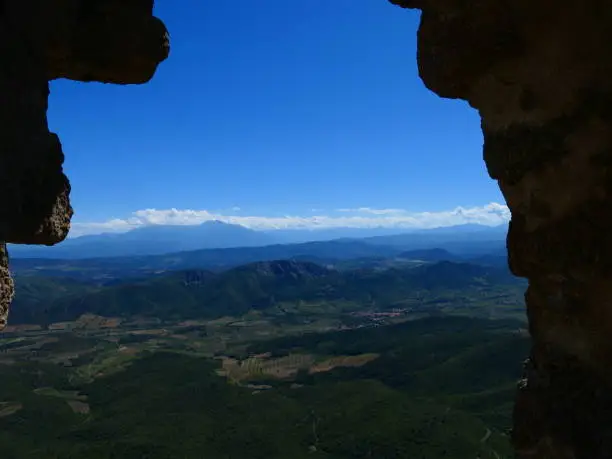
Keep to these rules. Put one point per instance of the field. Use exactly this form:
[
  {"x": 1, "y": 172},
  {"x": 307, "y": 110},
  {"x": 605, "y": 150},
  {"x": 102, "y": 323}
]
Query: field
[{"x": 96, "y": 374}]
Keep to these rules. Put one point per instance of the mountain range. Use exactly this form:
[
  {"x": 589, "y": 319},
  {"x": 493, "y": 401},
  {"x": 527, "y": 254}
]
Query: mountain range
[
  {"x": 344, "y": 254},
  {"x": 266, "y": 286},
  {"x": 167, "y": 239},
  {"x": 150, "y": 240}
]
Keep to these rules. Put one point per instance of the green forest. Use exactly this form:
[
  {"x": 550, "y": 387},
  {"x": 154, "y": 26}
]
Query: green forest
[{"x": 274, "y": 360}]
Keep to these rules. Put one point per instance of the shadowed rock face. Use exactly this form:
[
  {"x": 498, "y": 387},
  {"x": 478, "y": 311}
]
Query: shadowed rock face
[
  {"x": 110, "y": 41},
  {"x": 6, "y": 286},
  {"x": 539, "y": 73}
]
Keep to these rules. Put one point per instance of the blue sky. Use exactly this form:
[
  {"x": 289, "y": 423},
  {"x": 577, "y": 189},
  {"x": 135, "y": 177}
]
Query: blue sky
[{"x": 272, "y": 109}]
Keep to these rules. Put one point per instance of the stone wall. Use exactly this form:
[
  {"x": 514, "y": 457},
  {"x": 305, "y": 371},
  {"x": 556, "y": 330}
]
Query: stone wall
[
  {"x": 110, "y": 41},
  {"x": 539, "y": 74}
]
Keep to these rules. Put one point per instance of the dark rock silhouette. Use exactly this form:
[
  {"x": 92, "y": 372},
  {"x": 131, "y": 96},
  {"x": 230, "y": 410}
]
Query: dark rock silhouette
[
  {"x": 110, "y": 41},
  {"x": 536, "y": 72}
]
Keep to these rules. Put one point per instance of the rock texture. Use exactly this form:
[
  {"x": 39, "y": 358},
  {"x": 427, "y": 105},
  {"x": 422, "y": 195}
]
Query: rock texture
[
  {"x": 110, "y": 41},
  {"x": 539, "y": 73},
  {"x": 6, "y": 286}
]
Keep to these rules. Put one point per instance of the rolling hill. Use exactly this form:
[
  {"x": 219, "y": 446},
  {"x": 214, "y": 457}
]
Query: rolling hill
[{"x": 264, "y": 286}]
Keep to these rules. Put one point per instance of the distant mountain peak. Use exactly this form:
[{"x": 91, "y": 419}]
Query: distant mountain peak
[
  {"x": 153, "y": 240},
  {"x": 219, "y": 223}
]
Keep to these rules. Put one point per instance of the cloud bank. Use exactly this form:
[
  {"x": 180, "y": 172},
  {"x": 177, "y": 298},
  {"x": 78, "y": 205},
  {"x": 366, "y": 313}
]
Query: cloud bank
[
  {"x": 362, "y": 217},
  {"x": 369, "y": 210}
]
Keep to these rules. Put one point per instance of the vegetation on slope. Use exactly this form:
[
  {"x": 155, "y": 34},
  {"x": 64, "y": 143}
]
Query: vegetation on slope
[{"x": 258, "y": 286}]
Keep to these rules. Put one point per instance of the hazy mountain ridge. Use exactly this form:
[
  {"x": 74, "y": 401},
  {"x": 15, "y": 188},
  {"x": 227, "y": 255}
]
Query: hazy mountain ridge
[
  {"x": 211, "y": 259},
  {"x": 342, "y": 253},
  {"x": 165, "y": 239},
  {"x": 151, "y": 240}
]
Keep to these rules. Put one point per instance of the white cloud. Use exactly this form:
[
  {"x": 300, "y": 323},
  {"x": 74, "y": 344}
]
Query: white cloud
[
  {"x": 364, "y": 217},
  {"x": 369, "y": 210}
]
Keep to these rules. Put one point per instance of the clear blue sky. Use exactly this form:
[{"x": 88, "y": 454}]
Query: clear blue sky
[{"x": 276, "y": 107}]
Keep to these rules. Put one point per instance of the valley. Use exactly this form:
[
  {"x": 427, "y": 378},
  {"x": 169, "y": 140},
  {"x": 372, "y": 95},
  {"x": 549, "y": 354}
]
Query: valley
[
  {"x": 400, "y": 356},
  {"x": 140, "y": 380}
]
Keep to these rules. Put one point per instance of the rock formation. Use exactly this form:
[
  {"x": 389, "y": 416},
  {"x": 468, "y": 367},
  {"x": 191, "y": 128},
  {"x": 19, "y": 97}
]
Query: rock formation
[
  {"x": 539, "y": 73},
  {"x": 110, "y": 41}
]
